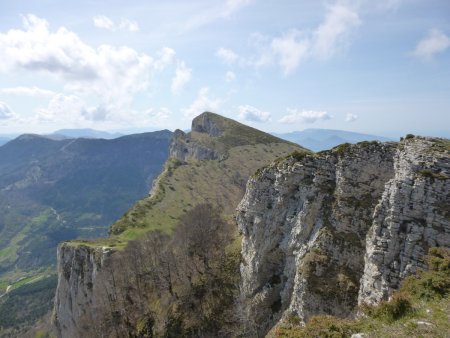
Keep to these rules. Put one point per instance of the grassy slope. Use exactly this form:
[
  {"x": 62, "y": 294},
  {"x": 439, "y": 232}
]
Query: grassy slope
[{"x": 183, "y": 185}]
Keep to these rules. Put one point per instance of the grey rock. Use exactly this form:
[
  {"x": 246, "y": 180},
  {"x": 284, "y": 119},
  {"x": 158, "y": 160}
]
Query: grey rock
[{"x": 344, "y": 226}]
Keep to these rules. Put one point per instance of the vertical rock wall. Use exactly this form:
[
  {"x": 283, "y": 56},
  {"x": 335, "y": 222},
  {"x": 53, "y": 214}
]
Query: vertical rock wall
[{"x": 322, "y": 232}]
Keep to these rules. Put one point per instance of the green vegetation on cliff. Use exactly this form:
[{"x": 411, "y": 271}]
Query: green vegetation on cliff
[{"x": 420, "y": 308}]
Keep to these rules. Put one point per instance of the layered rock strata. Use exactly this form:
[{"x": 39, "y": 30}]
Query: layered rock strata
[{"x": 322, "y": 232}]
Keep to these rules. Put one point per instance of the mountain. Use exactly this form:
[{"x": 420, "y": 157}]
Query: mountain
[
  {"x": 54, "y": 190},
  {"x": 149, "y": 253},
  {"x": 323, "y": 139},
  {"x": 4, "y": 140},
  {"x": 320, "y": 234},
  {"x": 86, "y": 133}
]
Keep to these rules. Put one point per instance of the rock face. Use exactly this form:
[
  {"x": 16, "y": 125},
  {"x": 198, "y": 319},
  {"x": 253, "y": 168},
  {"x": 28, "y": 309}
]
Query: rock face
[
  {"x": 412, "y": 216},
  {"x": 184, "y": 148},
  {"x": 324, "y": 231},
  {"x": 79, "y": 298}
]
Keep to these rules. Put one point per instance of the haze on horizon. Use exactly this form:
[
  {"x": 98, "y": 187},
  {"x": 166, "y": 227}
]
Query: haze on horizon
[{"x": 373, "y": 67}]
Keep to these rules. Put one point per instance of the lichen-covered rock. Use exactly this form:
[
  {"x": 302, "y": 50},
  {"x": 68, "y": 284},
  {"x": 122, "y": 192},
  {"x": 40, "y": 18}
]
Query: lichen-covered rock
[{"x": 305, "y": 224}]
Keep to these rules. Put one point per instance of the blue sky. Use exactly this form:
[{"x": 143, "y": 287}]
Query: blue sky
[{"x": 380, "y": 67}]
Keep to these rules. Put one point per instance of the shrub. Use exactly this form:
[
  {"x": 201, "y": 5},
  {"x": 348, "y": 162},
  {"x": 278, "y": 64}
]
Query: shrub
[
  {"x": 397, "y": 307},
  {"x": 434, "y": 283}
]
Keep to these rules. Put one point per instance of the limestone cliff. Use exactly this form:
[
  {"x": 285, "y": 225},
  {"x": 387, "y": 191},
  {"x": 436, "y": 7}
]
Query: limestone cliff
[
  {"x": 102, "y": 291},
  {"x": 80, "y": 291},
  {"x": 322, "y": 231}
]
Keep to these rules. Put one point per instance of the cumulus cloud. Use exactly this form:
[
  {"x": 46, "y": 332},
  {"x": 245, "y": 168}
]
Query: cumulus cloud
[
  {"x": 6, "y": 112},
  {"x": 165, "y": 58},
  {"x": 332, "y": 34},
  {"x": 182, "y": 76},
  {"x": 294, "y": 47},
  {"x": 129, "y": 25},
  {"x": 305, "y": 116},
  {"x": 202, "y": 103},
  {"x": 435, "y": 42},
  {"x": 28, "y": 91},
  {"x": 251, "y": 114},
  {"x": 230, "y": 76},
  {"x": 227, "y": 55},
  {"x": 291, "y": 49},
  {"x": 113, "y": 74},
  {"x": 351, "y": 117},
  {"x": 63, "y": 107},
  {"x": 102, "y": 21}
]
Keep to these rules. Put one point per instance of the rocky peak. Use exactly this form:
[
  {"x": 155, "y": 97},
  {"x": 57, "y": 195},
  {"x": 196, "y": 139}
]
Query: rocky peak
[{"x": 208, "y": 123}]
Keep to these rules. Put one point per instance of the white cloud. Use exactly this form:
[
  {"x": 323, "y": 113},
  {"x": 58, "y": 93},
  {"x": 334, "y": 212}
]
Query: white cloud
[
  {"x": 291, "y": 50},
  {"x": 227, "y": 55},
  {"x": 157, "y": 117},
  {"x": 294, "y": 47},
  {"x": 435, "y": 42},
  {"x": 230, "y": 76},
  {"x": 251, "y": 114},
  {"x": 6, "y": 112},
  {"x": 112, "y": 74},
  {"x": 351, "y": 117},
  {"x": 332, "y": 34},
  {"x": 201, "y": 104},
  {"x": 182, "y": 76},
  {"x": 129, "y": 25},
  {"x": 305, "y": 116},
  {"x": 102, "y": 21},
  {"x": 165, "y": 57},
  {"x": 28, "y": 91}
]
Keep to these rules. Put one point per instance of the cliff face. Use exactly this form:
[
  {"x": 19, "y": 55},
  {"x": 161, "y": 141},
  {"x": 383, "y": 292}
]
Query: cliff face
[
  {"x": 103, "y": 291},
  {"x": 80, "y": 290},
  {"x": 184, "y": 148},
  {"x": 324, "y": 231}
]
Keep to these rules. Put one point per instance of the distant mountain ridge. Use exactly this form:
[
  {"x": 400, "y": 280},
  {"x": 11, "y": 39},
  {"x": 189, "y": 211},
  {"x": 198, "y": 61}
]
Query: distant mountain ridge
[
  {"x": 58, "y": 189},
  {"x": 86, "y": 133},
  {"x": 324, "y": 139}
]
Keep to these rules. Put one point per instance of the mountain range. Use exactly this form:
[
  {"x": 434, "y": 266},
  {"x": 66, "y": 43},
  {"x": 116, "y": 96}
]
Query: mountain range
[
  {"x": 243, "y": 234},
  {"x": 57, "y": 189},
  {"x": 323, "y": 139}
]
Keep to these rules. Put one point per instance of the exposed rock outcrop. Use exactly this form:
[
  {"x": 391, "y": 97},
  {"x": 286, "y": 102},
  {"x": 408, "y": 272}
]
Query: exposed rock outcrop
[
  {"x": 80, "y": 295},
  {"x": 306, "y": 221},
  {"x": 184, "y": 148},
  {"x": 412, "y": 216}
]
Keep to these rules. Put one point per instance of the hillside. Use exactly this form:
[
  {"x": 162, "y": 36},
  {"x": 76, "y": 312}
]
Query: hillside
[
  {"x": 210, "y": 164},
  {"x": 55, "y": 190},
  {"x": 208, "y": 170}
]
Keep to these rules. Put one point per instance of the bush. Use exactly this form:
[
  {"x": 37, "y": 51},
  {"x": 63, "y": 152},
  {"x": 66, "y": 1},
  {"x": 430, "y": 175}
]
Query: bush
[
  {"x": 434, "y": 283},
  {"x": 397, "y": 307},
  {"x": 319, "y": 326}
]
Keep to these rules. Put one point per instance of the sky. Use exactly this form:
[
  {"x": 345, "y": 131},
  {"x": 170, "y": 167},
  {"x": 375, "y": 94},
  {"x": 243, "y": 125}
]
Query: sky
[{"x": 379, "y": 67}]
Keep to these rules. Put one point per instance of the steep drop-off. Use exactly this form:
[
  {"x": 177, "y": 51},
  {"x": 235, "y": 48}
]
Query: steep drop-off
[
  {"x": 323, "y": 232},
  {"x": 211, "y": 164}
]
